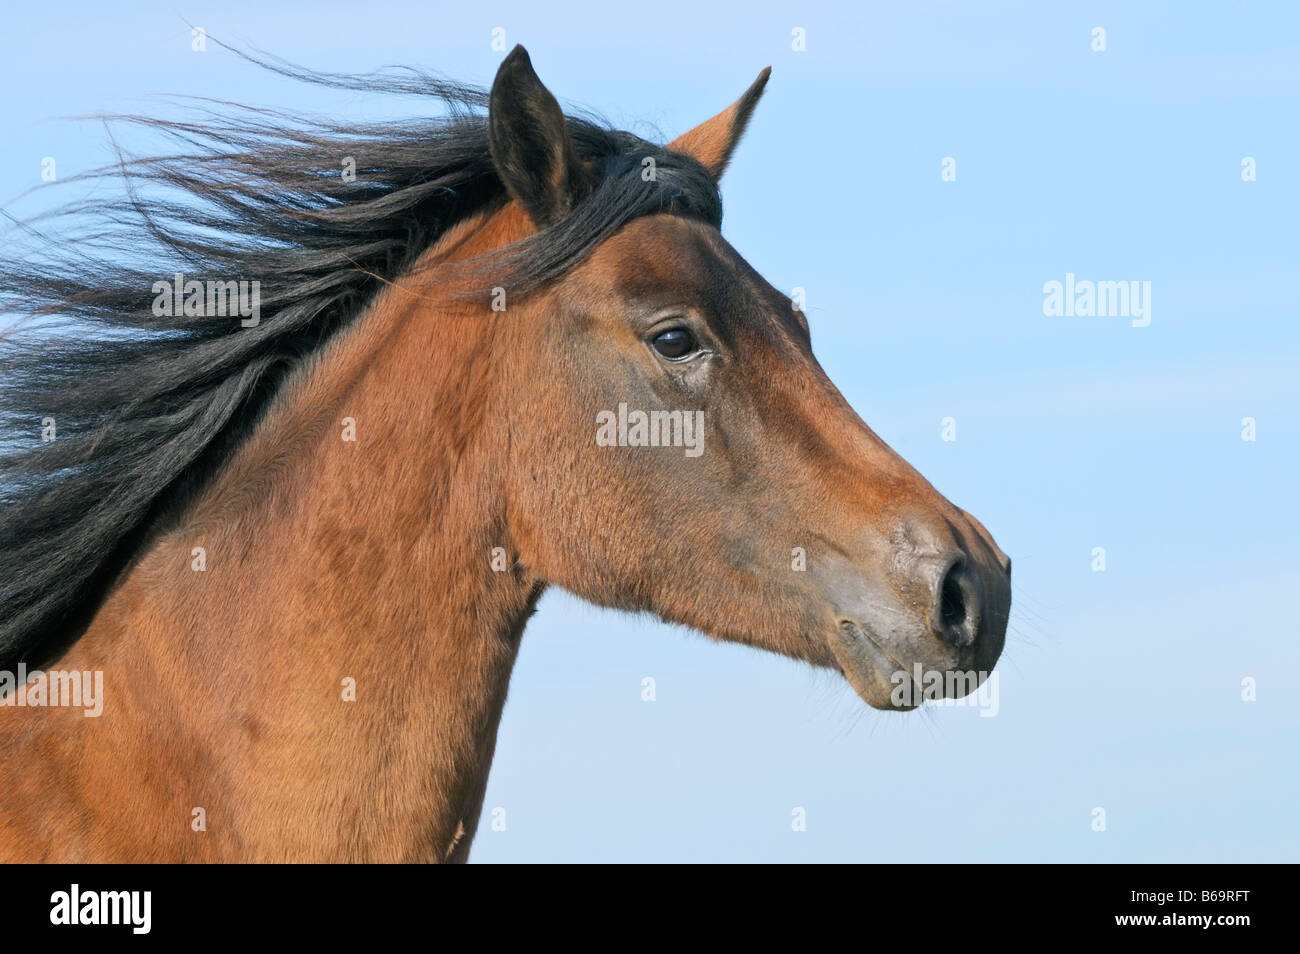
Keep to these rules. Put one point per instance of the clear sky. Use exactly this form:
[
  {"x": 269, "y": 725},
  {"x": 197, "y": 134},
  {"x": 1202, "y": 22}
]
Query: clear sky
[{"x": 1120, "y": 689}]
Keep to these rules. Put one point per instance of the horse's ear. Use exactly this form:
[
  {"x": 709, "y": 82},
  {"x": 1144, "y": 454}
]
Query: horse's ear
[
  {"x": 531, "y": 149},
  {"x": 712, "y": 142}
]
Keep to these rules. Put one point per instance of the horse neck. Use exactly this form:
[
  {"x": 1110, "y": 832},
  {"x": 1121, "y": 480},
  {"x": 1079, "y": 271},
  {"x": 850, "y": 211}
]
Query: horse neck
[{"x": 328, "y": 560}]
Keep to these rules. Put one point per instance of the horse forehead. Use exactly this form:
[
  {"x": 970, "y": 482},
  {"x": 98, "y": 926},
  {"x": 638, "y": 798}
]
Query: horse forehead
[
  {"x": 671, "y": 261},
  {"x": 666, "y": 254}
]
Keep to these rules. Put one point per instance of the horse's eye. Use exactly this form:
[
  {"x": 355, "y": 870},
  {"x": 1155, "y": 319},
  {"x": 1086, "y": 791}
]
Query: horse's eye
[{"x": 674, "y": 343}]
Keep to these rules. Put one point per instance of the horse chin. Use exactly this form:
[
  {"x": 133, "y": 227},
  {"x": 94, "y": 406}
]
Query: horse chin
[{"x": 871, "y": 671}]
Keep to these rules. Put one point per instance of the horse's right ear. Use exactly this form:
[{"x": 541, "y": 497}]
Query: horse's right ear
[
  {"x": 712, "y": 142},
  {"x": 531, "y": 149}
]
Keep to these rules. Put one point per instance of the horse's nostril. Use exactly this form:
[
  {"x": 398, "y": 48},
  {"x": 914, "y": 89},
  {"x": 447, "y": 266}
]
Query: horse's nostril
[
  {"x": 952, "y": 605},
  {"x": 956, "y": 611}
]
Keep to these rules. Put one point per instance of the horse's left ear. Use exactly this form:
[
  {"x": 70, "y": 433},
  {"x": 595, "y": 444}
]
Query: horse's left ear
[
  {"x": 712, "y": 142},
  {"x": 530, "y": 144}
]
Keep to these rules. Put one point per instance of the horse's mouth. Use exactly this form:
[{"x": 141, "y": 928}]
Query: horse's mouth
[{"x": 873, "y": 671}]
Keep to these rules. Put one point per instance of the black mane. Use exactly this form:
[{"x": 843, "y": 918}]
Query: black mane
[{"x": 148, "y": 408}]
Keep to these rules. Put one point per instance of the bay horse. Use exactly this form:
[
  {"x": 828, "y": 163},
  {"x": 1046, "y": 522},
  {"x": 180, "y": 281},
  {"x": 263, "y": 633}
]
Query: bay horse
[{"x": 300, "y": 543}]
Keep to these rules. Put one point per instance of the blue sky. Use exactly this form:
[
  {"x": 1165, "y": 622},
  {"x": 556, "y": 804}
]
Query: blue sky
[{"x": 1118, "y": 689}]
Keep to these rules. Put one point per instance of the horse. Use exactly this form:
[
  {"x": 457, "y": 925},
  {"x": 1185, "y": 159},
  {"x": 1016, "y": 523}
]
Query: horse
[{"x": 298, "y": 532}]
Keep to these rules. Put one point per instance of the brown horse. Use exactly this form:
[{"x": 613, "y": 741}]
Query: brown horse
[{"x": 513, "y": 352}]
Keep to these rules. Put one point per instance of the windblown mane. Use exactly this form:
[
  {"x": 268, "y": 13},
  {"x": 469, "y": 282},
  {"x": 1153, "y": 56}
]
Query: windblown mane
[{"x": 146, "y": 408}]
